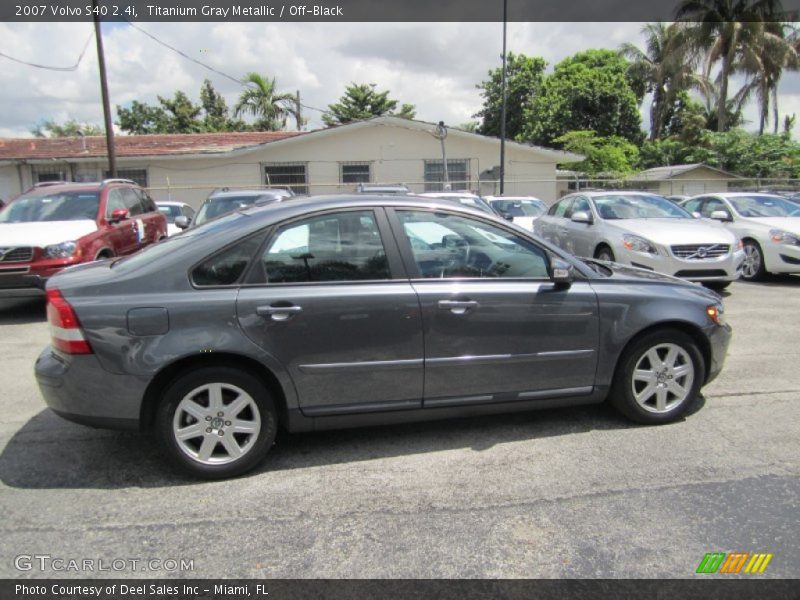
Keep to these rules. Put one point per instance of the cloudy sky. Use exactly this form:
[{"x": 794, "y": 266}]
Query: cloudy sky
[{"x": 432, "y": 65}]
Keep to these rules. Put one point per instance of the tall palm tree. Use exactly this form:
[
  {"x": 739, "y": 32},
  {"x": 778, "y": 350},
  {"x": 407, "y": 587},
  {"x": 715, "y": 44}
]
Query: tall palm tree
[
  {"x": 728, "y": 31},
  {"x": 666, "y": 66},
  {"x": 261, "y": 100}
]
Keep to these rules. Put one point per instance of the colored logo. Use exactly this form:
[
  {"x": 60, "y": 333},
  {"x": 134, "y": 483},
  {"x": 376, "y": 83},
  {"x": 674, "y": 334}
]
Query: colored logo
[{"x": 735, "y": 562}]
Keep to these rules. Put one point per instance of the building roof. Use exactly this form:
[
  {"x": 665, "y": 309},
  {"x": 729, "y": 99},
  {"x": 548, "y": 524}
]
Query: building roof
[
  {"x": 200, "y": 144},
  {"x": 92, "y": 146},
  {"x": 670, "y": 172}
]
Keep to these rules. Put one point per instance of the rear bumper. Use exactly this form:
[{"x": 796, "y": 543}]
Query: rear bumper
[{"x": 79, "y": 389}]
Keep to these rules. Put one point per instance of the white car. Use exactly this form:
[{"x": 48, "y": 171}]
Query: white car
[
  {"x": 646, "y": 231},
  {"x": 465, "y": 198},
  {"x": 172, "y": 210},
  {"x": 521, "y": 210},
  {"x": 768, "y": 225}
]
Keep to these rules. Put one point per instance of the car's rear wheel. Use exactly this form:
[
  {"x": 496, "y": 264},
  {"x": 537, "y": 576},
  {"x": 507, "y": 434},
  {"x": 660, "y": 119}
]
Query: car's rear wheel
[
  {"x": 753, "y": 265},
  {"x": 604, "y": 253},
  {"x": 216, "y": 422},
  {"x": 659, "y": 377}
]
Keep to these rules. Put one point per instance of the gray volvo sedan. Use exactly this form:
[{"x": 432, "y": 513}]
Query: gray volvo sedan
[{"x": 342, "y": 311}]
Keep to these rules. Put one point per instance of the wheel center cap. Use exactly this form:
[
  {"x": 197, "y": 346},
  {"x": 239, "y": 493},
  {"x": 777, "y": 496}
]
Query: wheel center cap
[{"x": 217, "y": 423}]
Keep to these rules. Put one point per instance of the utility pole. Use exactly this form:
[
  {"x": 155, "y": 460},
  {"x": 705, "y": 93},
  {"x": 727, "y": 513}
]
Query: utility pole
[
  {"x": 441, "y": 133},
  {"x": 298, "y": 111},
  {"x": 503, "y": 107},
  {"x": 101, "y": 61}
]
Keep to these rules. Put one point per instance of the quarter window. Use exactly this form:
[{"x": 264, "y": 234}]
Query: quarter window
[
  {"x": 335, "y": 247},
  {"x": 226, "y": 267},
  {"x": 445, "y": 245}
]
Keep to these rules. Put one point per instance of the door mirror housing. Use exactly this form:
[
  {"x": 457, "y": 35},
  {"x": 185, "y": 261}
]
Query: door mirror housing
[
  {"x": 582, "y": 217},
  {"x": 721, "y": 215},
  {"x": 560, "y": 272},
  {"x": 118, "y": 214},
  {"x": 182, "y": 222}
]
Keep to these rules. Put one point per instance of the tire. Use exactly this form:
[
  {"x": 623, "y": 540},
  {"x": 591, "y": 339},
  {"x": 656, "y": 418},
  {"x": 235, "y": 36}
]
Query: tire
[
  {"x": 604, "y": 253},
  {"x": 680, "y": 367},
  {"x": 210, "y": 402},
  {"x": 753, "y": 267},
  {"x": 717, "y": 286}
]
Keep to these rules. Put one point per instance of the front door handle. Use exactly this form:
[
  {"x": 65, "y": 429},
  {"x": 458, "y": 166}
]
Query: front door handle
[
  {"x": 278, "y": 313},
  {"x": 458, "y": 307}
]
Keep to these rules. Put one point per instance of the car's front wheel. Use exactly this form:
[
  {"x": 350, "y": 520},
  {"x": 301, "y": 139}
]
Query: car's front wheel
[
  {"x": 216, "y": 422},
  {"x": 658, "y": 377},
  {"x": 753, "y": 267}
]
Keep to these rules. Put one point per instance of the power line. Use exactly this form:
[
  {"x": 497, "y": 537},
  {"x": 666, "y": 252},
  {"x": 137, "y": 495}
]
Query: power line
[
  {"x": 49, "y": 67},
  {"x": 209, "y": 67}
]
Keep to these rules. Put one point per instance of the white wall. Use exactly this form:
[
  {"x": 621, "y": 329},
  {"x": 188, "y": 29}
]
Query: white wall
[{"x": 9, "y": 182}]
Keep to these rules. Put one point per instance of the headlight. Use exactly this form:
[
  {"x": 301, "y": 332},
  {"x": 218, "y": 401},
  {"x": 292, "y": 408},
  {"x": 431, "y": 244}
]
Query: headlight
[
  {"x": 716, "y": 313},
  {"x": 784, "y": 237},
  {"x": 62, "y": 250},
  {"x": 638, "y": 244}
]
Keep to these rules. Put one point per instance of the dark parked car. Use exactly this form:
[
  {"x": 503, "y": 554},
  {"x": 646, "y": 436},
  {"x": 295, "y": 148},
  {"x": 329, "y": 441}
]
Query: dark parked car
[
  {"x": 55, "y": 225},
  {"x": 342, "y": 311},
  {"x": 221, "y": 202}
]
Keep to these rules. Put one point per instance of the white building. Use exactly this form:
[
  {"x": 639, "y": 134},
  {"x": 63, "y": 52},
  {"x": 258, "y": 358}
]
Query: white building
[{"x": 380, "y": 150}]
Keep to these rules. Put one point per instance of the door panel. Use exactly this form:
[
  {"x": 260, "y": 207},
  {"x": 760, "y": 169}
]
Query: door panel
[
  {"x": 347, "y": 347},
  {"x": 518, "y": 338}
]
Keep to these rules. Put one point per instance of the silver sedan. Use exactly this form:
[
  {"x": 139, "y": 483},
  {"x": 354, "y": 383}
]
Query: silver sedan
[{"x": 646, "y": 231}]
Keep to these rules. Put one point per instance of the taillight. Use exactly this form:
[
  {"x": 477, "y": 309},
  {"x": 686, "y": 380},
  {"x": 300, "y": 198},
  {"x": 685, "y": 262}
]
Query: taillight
[{"x": 65, "y": 329}]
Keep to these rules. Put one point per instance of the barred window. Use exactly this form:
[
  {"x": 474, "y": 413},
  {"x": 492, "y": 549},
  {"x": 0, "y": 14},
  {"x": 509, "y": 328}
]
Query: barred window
[
  {"x": 355, "y": 172},
  {"x": 457, "y": 174},
  {"x": 289, "y": 175}
]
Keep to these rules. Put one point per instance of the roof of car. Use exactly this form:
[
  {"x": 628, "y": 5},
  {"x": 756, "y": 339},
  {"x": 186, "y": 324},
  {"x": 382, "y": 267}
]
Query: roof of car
[
  {"x": 595, "y": 193},
  {"x": 512, "y": 198},
  {"x": 170, "y": 203},
  {"x": 239, "y": 193}
]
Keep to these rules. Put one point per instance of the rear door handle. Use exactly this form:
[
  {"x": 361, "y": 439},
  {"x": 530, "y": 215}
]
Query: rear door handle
[
  {"x": 278, "y": 313},
  {"x": 458, "y": 307}
]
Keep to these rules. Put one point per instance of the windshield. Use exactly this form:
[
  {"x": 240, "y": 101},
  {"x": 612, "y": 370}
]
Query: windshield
[
  {"x": 61, "y": 206},
  {"x": 521, "y": 208},
  {"x": 637, "y": 206},
  {"x": 170, "y": 212},
  {"x": 215, "y": 207},
  {"x": 758, "y": 206}
]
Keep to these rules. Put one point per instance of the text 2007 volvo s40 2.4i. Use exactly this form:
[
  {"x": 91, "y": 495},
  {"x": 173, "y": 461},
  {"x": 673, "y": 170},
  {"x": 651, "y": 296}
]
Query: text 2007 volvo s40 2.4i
[{"x": 340, "y": 311}]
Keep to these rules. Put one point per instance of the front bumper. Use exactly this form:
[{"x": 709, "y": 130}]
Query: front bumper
[
  {"x": 781, "y": 258},
  {"x": 719, "y": 337},
  {"x": 28, "y": 280},
  {"x": 79, "y": 389},
  {"x": 723, "y": 268}
]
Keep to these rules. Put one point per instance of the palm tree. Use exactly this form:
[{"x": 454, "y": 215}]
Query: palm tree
[
  {"x": 729, "y": 32},
  {"x": 666, "y": 66},
  {"x": 261, "y": 100}
]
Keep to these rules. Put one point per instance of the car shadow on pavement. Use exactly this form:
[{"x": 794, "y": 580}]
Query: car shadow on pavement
[
  {"x": 783, "y": 280},
  {"x": 48, "y": 452},
  {"x": 19, "y": 312}
]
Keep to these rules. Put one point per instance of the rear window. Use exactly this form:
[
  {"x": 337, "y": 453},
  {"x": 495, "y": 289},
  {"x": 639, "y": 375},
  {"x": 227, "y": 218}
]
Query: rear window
[{"x": 59, "y": 206}]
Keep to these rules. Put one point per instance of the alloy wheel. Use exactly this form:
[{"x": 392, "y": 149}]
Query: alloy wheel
[
  {"x": 752, "y": 261},
  {"x": 216, "y": 423},
  {"x": 663, "y": 378}
]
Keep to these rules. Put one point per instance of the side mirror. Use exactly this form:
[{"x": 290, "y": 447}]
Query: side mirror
[
  {"x": 721, "y": 215},
  {"x": 182, "y": 222},
  {"x": 118, "y": 214},
  {"x": 561, "y": 272},
  {"x": 697, "y": 215},
  {"x": 581, "y": 217}
]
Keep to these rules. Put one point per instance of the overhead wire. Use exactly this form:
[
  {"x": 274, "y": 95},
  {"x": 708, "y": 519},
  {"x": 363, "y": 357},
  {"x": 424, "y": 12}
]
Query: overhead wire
[{"x": 50, "y": 67}]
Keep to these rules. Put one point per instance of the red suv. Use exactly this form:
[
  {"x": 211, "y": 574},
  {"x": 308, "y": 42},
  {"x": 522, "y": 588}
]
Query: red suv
[{"x": 55, "y": 225}]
